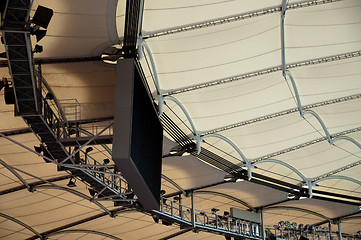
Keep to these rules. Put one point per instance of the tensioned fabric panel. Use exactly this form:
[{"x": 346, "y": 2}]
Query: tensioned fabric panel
[
  {"x": 78, "y": 28},
  {"x": 162, "y": 14},
  {"x": 188, "y": 172},
  {"x": 327, "y": 81},
  {"x": 314, "y": 32},
  {"x": 218, "y": 52},
  {"x": 237, "y": 101},
  {"x": 91, "y": 84}
]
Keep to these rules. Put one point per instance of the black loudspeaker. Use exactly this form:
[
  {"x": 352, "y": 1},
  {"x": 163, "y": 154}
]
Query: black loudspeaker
[
  {"x": 9, "y": 95},
  {"x": 42, "y": 16}
]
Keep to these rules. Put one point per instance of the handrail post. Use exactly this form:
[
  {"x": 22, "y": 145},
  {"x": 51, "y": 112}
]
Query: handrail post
[{"x": 193, "y": 212}]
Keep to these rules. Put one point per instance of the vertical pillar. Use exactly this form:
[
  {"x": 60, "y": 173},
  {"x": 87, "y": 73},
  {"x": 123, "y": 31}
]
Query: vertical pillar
[
  {"x": 339, "y": 230},
  {"x": 262, "y": 225},
  {"x": 330, "y": 230},
  {"x": 193, "y": 212}
]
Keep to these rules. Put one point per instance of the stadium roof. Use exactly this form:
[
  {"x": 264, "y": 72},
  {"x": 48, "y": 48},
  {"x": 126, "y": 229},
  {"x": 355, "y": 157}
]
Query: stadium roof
[{"x": 271, "y": 88}]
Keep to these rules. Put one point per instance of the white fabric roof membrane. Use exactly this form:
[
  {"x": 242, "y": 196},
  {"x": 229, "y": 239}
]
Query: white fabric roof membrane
[{"x": 219, "y": 68}]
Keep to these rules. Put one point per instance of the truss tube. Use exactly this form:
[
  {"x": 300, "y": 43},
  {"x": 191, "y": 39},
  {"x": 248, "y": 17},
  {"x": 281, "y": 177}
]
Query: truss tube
[
  {"x": 83, "y": 231},
  {"x": 27, "y": 148},
  {"x": 20, "y": 223},
  {"x": 329, "y": 139},
  {"x": 285, "y": 165},
  {"x": 339, "y": 178},
  {"x": 86, "y": 143},
  {"x": 226, "y": 196},
  {"x": 155, "y": 74},
  {"x": 283, "y": 55},
  {"x": 77, "y": 193},
  {"x": 246, "y": 162},
  {"x": 174, "y": 184},
  {"x": 16, "y": 174},
  {"x": 348, "y": 139},
  {"x": 195, "y": 132},
  {"x": 299, "y": 105}
]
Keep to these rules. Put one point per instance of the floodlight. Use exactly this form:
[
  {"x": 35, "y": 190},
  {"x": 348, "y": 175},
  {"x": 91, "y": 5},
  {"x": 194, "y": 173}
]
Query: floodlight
[
  {"x": 88, "y": 150},
  {"x": 38, "y": 149},
  {"x": 226, "y": 213},
  {"x": 106, "y": 161},
  {"x": 72, "y": 183},
  {"x": 39, "y": 34},
  {"x": 281, "y": 223},
  {"x": 162, "y": 192},
  {"x": 294, "y": 225},
  {"x": 166, "y": 222},
  {"x": 155, "y": 218},
  {"x": 300, "y": 226},
  {"x": 287, "y": 224},
  {"x": 42, "y": 16},
  {"x": 9, "y": 94},
  {"x": 92, "y": 192},
  {"x": 49, "y": 96},
  {"x": 38, "y": 49},
  {"x": 214, "y": 210}
]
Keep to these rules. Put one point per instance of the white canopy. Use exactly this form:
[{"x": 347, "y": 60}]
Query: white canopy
[{"x": 279, "y": 99}]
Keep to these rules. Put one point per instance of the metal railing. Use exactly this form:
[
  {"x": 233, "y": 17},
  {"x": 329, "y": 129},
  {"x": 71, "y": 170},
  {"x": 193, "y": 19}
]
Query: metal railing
[
  {"x": 308, "y": 232},
  {"x": 210, "y": 221}
]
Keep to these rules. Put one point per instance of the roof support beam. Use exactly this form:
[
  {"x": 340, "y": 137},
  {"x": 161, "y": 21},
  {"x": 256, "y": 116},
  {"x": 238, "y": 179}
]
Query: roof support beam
[
  {"x": 21, "y": 223},
  {"x": 32, "y": 185},
  {"x": 85, "y": 220},
  {"x": 84, "y": 231},
  {"x": 226, "y": 196}
]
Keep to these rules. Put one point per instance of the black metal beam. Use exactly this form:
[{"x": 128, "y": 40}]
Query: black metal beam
[
  {"x": 18, "y": 188},
  {"x": 17, "y": 132},
  {"x": 88, "y": 219},
  {"x": 4, "y": 63},
  {"x": 133, "y": 8}
]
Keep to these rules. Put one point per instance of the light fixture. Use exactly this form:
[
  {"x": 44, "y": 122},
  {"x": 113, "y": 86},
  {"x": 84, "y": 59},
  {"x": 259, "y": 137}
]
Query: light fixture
[
  {"x": 71, "y": 183},
  {"x": 281, "y": 224},
  {"x": 155, "y": 218},
  {"x": 166, "y": 222},
  {"x": 49, "y": 96},
  {"x": 287, "y": 224},
  {"x": 42, "y": 16},
  {"x": 294, "y": 225},
  {"x": 226, "y": 213},
  {"x": 162, "y": 192},
  {"x": 106, "y": 161},
  {"x": 300, "y": 226},
  {"x": 38, "y": 149},
  {"x": 92, "y": 192},
  {"x": 88, "y": 150},
  {"x": 38, "y": 49},
  {"x": 9, "y": 94},
  {"x": 38, "y": 33},
  {"x": 214, "y": 210}
]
